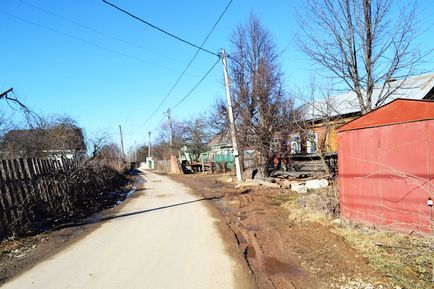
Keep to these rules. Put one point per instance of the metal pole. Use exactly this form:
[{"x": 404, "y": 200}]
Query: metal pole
[
  {"x": 149, "y": 145},
  {"x": 231, "y": 119},
  {"x": 170, "y": 132}
]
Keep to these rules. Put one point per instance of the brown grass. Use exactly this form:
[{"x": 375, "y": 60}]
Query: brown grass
[{"x": 406, "y": 260}]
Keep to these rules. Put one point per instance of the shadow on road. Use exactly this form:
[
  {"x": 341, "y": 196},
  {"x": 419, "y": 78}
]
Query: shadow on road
[{"x": 107, "y": 218}]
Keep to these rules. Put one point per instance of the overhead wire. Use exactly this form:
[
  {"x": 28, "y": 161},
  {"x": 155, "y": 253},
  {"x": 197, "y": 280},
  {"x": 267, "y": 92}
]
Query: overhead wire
[
  {"x": 84, "y": 40},
  {"x": 158, "y": 28},
  {"x": 93, "y": 29},
  {"x": 186, "y": 68},
  {"x": 197, "y": 84},
  {"x": 199, "y": 48},
  {"x": 158, "y": 125},
  {"x": 187, "y": 95}
]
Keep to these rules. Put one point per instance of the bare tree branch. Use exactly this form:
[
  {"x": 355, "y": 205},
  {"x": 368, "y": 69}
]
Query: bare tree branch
[{"x": 364, "y": 43}]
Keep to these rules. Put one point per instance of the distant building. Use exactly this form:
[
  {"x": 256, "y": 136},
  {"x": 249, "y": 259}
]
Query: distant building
[
  {"x": 321, "y": 117},
  {"x": 219, "y": 150},
  {"x": 59, "y": 141}
]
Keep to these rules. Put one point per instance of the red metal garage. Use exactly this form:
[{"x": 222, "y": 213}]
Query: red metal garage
[{"x": 386, "y": 164}]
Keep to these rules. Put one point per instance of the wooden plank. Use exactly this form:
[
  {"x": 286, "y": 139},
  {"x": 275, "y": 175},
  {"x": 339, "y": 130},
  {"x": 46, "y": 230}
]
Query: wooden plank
[
  {"x": 6, "y": 216},
  {"x": 15, "y": 182},
  {"x": 26, "y": 190},
  {"x": 11, "y": 200},
  {"x": 42, "y": 185},
  {"x": 20, "y": 198}
]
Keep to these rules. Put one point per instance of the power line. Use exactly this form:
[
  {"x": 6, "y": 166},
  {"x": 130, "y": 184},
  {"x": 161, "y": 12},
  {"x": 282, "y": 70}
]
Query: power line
[
  {"x": 187, "y": 95},
  {"x": 186, "y": 68},
  {"x": 159, "y": 29},
  {"x": 161, "y": 121},
  {"x": 94, "y": 30},
  {"x": 197, "y": 52},
  {"x": 197, "y": 84},
  {"x": 84, "y": 40}
]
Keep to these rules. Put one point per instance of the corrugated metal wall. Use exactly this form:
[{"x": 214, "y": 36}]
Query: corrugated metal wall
[{"x": 385, "y": 175}]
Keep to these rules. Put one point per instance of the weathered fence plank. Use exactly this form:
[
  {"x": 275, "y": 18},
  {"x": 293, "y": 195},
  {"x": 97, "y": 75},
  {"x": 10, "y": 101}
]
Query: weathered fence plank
[
  {"x": 31, "y": 190},
  {"x": 36, "y": 194}
]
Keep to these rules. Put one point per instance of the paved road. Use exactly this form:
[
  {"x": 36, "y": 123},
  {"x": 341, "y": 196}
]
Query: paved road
[{"x": 172, "y": 247}]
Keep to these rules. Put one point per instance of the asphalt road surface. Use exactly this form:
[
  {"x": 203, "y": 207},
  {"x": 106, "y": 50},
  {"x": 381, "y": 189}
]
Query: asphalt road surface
[{"x": 164, "y": 237}]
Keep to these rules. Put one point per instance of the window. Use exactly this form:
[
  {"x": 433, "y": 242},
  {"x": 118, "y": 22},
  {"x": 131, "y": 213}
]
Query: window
[
  {"x": 311, "y": 142},
  {"x": 295, "y": 144}
]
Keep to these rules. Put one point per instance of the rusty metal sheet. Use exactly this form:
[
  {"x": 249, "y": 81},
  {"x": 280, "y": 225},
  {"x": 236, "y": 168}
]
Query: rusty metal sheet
[{"x": 385, "y": 175}]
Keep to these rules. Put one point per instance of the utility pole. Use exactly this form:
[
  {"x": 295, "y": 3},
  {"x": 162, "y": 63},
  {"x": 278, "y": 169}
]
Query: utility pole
[
  {"x": 122, "y": 142},
  {"x": 231, "y": 119},
  {"x": 149, "y": 145},
  {"x": 135, "y": 151},
  {"x": 169, "y": 117}
]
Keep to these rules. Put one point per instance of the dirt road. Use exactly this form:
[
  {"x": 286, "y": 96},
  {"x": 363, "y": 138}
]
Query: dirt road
[{"x": 163, "y": 238}]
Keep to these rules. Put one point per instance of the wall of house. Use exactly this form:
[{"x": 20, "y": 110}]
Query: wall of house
[{"x": 320, "y": 129}]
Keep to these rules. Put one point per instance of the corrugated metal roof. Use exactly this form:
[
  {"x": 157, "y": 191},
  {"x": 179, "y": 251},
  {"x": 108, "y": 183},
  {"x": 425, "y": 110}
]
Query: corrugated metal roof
[
  {"x": 346, "y": 103},
  {"x": 220, "y": 140},
  {"x": 395, "y": 112}
]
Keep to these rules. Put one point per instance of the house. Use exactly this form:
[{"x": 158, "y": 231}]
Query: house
[
  {"x": 219, "y": 150},
  {"x": 322, "y": 117},
  {"x": 386, "y": 166},
  {"x": 59, "y": 141},
  {"x": 315, "y": 142}
]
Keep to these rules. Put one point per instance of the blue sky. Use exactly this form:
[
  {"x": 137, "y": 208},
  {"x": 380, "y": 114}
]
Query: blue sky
[{"x": 118, "y": 74}]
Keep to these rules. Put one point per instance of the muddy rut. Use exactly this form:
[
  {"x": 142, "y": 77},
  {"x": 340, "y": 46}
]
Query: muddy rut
[{"x": 280, "y": 253}]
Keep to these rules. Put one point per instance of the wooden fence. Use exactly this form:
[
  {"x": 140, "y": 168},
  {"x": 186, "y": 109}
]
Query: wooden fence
[
  {"x": 30, "y": 191},
  {"x": 39, "y": 193},
  {"x": 163, "y": 166}
]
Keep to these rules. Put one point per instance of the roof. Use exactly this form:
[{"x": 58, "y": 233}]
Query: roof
[
  {"x": 220, "y": 140},
  {"x": 57, "y": 138},
  {"x": 419, "y": 87},
  {"x": 397, "y": 111}
]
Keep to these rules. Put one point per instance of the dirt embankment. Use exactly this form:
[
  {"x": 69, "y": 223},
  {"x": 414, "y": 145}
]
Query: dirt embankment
[{"x": 280, "y": 253}]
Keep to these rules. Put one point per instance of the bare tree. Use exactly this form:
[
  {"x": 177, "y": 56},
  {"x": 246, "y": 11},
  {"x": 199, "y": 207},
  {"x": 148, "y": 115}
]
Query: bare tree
[
  {"x": 110, "y": 154},
  {"x": 56, "y": 136},
  {"x": 98, "y": 141},
  {"x": 364, "y": 43},
  {"x": 161, "y": 148},
  {"x": 217, "y": 118},
  {"x": 195, "y": 135},
  {"x": 262, "y": 107},
  {"x": 17, "y": 105},
  {"x": 5, "y": 124},
  {"x": 142, "y": 153}
]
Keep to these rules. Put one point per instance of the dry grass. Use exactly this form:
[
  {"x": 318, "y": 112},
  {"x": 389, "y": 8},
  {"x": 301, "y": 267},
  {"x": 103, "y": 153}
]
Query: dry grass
[
  {"x": 406, "y": 260},
  {"x": 301, "y": 213}
]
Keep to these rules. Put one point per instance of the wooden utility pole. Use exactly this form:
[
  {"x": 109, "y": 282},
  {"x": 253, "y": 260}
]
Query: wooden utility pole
[
  {"x": 231, "y": 119},
  {"x": 149, "y": 145},
  {"x": 169, "y": 117},
  {"x": 122, "y": 142},
  {"x": 135, "y": 151}
]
